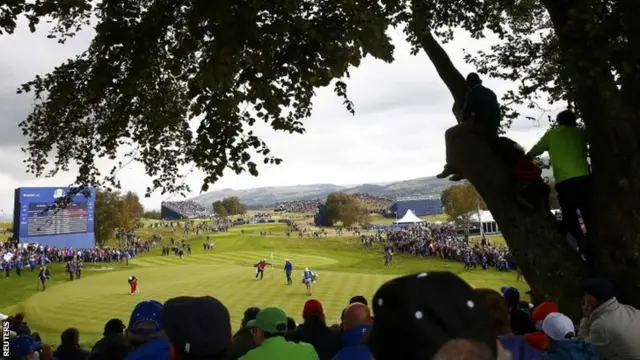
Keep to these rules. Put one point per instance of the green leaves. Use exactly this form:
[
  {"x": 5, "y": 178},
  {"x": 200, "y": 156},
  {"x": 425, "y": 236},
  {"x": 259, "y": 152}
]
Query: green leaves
[{"x": 155, "y": 68}]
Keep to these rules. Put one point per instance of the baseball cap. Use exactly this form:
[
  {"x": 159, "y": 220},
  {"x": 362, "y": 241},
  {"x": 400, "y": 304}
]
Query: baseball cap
[
  {"x": 271, "y": 320},
  {"x": 145, "y": 318},
  {"x": 422, "y": 312},
  {"x": 541, "y": 312},
  {"x": 198, "y": 326},
  {"x": 511, "y": 295},
  {"x": 557, "y": 326},
  {"x": 600, "y": 288},
  {"x": 23, "y": 345},
  {"x": 312, "y": 307},
  {"x": 3, "y": 317}
]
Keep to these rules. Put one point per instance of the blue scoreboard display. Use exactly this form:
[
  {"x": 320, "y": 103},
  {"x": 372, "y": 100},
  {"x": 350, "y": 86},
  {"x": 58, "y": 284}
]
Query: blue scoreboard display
[{"x": 39, "y": 221}]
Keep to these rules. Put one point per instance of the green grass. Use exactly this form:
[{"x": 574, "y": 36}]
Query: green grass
[{"x": 344, "y": 267}]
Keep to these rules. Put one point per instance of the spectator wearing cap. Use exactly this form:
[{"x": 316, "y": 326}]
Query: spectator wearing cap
[
  {"x": 520, "y": 318},
  {"x": 415, "y": 315},
  {"x": 314, "y": 331},
  {"x": 562, "y": 343},
  {"x": 69, "y": 348},
  {"x": 612, "y": 328},
  {"x": 113, "y": 345},
  {"x": 197, "y": 328},
  {"x": 269, "y": 328},
  {"x": 24, "y": 347},
  {"x": 538, "y": 339},
  {"x": 499, "y": 313},
  {"x": 145, "y": 333},
  {"x": 243, "y": 338},
  {"x": 356, "y": 324}
]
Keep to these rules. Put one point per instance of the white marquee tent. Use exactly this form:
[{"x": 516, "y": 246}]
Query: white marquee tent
[{"x": 409, "y": 218}]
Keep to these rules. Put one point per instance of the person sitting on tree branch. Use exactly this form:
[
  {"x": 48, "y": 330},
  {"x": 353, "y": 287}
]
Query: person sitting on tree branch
[
  {"x": 481, "y": 115},
  {"x": 567, "y": 147}
]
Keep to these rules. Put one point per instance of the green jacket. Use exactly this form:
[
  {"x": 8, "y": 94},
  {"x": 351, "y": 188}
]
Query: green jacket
[
  {"x": 567, "y": 147},
  {"x": 278, "y": 348}
]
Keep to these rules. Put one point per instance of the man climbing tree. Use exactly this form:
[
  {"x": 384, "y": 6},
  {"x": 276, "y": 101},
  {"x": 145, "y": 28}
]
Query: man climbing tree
[
  {"x": 481, "y": 115},
  {"x": 567, "y": 147}
]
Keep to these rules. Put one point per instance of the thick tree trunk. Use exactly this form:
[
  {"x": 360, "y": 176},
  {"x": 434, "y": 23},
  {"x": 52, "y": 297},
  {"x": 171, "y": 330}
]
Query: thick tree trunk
[
  {"x": 549, "y": 264},
  {"x": 613, "y": 126}
]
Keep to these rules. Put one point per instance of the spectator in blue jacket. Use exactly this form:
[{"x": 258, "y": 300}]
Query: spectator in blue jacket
[
  {"x": 563, "y": 343},
  {"x": 146, "y": 332},
  {"x": 356, "y": 323}
]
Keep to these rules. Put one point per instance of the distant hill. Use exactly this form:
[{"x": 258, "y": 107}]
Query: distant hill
[
  {"x": 266, "y": 196},
  {"x": 271, "y": 195}
]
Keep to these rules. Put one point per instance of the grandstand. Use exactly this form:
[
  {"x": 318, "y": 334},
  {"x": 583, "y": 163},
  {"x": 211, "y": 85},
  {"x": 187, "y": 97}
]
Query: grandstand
[
  {"x": 178, "y": 210},
  {"x": 421, "y": 206}
]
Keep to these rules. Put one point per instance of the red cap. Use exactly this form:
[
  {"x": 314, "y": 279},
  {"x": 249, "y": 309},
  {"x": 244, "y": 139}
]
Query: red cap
[
  {"x": 312, "y": 307},
  {"x": 541, "y": 311}
]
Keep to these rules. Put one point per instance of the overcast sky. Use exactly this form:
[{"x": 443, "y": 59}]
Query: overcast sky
[{"x": 402, "y": 111}]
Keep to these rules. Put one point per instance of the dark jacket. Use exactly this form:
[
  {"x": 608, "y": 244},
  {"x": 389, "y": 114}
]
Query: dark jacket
[
  {"x": 112, "y": 347},
  {"x": 572, "y": 350},
  {"x": 481, "y": 106},
  {"x": 70, "y": 352},
  {"x": 520, "y": 349},
  {"x": 242, "y": 344},
  {"x": 156, "y": 349},
  {"x": 325, "y": 341},
  {"x": 22, "y": 329},
  {"x": 521, "y": 323},
  {"x": 352, "y": 345}
]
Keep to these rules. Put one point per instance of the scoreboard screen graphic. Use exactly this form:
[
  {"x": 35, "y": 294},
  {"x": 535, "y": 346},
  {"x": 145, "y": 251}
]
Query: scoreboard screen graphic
[{"x": 38, "y": 221}]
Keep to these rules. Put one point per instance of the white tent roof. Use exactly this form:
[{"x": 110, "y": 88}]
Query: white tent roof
[
  {"x": 409, "y": 218},
  {"x": 485, "y": 217}
]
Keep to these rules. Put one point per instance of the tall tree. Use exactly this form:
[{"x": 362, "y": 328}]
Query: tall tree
[
  {"x": 342, "y": 207},
  {"x": 219, "y": 209},
  {"x": 461, "y": 202},
  {"x": 115, "y": 211},
  {"x": 154, "y": 65}
]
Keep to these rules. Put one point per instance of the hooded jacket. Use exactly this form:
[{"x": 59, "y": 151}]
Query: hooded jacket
[
  {"x": 353, "y": 347},
  {"x": 572, "y": 350}
]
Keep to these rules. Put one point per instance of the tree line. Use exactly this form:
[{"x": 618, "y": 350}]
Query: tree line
[{"x": 229, "y": 206}]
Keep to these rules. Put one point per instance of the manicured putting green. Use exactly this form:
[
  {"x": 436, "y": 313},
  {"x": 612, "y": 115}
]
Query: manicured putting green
[{"x": 344, "y": 269}]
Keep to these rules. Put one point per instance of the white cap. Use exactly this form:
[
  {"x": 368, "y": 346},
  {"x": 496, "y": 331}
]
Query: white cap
[
  {"x": 130, "y": 277},
  {"x": 557, "y": 326},
  {"x": 3, "y": 317},
  {"x": 306, "y": 269}
]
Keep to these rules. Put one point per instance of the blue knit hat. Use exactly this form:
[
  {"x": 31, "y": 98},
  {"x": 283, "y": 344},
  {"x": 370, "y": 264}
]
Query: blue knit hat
[{"x": 145, "y": 318}]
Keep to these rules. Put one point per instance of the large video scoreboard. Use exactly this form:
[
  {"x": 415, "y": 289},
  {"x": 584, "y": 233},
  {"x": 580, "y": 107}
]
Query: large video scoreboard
[{"x": 37, "y": 220}]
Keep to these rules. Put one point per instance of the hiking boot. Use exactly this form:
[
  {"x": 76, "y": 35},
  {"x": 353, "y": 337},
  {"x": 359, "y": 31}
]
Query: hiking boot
[
  {"x": 446, "y": 172},
  {"x": 456, "y": 177}
]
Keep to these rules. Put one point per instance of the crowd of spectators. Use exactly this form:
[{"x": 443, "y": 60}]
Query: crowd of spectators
[
  {"x": 433, "y": 315},
  {"x": 188, "y": 208},
  {"x": 443, "y": 241},
  {"x": 299, "y": 206}
]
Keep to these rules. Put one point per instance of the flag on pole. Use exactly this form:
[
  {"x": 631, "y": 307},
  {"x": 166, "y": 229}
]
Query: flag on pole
[{"x": 272, "y": 265}]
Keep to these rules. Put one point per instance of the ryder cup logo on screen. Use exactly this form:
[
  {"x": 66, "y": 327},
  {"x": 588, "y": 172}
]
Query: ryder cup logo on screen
[{"x": 58, "y": 193}]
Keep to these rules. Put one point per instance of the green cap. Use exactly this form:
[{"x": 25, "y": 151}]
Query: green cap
[{"x": 271, "y": 320}]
